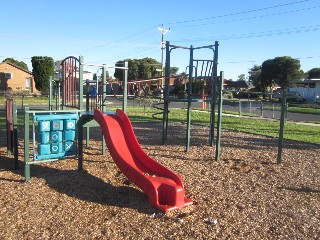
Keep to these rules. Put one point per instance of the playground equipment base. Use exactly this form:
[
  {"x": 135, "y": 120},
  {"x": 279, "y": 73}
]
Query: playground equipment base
[{"x": 164, "y": 188}]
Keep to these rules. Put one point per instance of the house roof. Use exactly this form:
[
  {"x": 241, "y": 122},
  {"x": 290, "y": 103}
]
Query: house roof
[{"x": 16, "y": 66}]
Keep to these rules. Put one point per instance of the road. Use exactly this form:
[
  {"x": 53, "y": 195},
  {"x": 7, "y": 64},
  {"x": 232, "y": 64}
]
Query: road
[{"x": 246, "y": 107}]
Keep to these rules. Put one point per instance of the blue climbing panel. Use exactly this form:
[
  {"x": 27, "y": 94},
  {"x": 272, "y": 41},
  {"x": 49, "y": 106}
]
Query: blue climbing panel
[{"x": 56, "y": 136}]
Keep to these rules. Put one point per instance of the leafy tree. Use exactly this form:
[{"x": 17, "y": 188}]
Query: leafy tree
[
  {"x": 95, "y": 77},
  {"x": 42, "y": 69},
  {"x": 280, "y": 70},
  {"x": 139, "y": 69},
  {"x": 174, "y": 71},
  {"x": 254, "y": 78},
  {"x": 57, "y": 66},
  {"x": 267, "y": 74},
  {"x": 314, "y": 73},
  {"x": 20, "y": 64},
  {"x": 241, "y": 77}
]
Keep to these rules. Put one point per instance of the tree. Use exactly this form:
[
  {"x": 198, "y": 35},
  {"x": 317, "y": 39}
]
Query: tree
[
  {"x": 139, "y": 69},
  {"x": 267, "y": 75},
  {"x": 241, "y": 77},
  {"x": 42, "y": 69},
  {"x": 20, "y": 64},
  {"x": 95, "y": 77},
  {"x": 280, "y": 70},
  {"x": 173, "y": 71},
  {"x": 254, "y": 78},
  {"x": 314, "y": 73}
]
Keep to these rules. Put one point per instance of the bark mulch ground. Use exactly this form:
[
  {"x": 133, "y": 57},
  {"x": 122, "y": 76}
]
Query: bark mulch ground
[{"x": 245, "y": 195}]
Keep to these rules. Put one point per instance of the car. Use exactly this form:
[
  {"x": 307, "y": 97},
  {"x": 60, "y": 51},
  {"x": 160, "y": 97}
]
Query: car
[{"x": 291, "y": 97}]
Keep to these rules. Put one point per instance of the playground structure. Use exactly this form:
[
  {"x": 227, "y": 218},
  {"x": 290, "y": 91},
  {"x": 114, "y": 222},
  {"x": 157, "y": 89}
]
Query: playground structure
[
  {"x": 12, "y": 131},
  {"x": 203, "y": 71},
  {"x": 58, "y": 133},
  {"x": 164, "y": 188}
]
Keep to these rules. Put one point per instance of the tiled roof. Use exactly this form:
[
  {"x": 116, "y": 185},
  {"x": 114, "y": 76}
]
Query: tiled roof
[{"x": 16, "y": 66}]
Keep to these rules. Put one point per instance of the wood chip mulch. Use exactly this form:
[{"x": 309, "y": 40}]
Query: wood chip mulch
[{"x": 245, "y": 195}]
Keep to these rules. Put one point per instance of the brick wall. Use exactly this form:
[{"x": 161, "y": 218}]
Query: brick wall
[{"x": 18, "y": 82}]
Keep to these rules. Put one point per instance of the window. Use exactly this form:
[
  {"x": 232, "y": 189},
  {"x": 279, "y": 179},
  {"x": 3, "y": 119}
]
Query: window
[{"x": 28, "y": 83}]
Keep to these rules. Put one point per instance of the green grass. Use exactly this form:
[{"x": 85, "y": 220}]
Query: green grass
[
  {"x": 293, "y": 131},
  {"x": 304, "y": 110},
  {"x": 40, "y": 100},
  {"x": 295, "y": 109}
]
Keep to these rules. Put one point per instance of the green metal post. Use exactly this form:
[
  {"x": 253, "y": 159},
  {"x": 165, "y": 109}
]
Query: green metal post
[
  {"x": 87, "y": 96},
  {"x": 15, "y": 135},
  {"x": 26, "y": 145},
  {"x": 104, "y": 87},
  {"x": 213, "y": 92},
  {"x": 104, "y": 105},
  {"x": 87, "y": 109},
  {"x": 80, "y": 142},
  {"x": 282, "y": 121},
  {"x": 80, "y": 104},
  {"x": 125, "y": 87},
  {"x": 87, "y": 136},
  {"x": 50, "y": 93},
  {"x": 217, "y": 157},
  {"x": 166, "y": 95},
  {"x": 189, "y": 99}
]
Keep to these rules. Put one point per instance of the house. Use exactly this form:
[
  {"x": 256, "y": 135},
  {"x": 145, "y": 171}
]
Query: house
[
  {"x": 16, "y": 79},
  {"x": 309, "y": 89},
  {"x": 235, "y": 85}
]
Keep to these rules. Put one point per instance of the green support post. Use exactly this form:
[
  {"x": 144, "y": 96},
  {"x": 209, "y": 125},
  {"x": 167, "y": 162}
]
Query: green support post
[
  {"x": 87, "y": 136},
  {"x": 87, "y": 96},
  {"x": 189, "y": 99},
  {"x": 104, "y": 87},
  {"x": 217, "y": 156},
  {"x": 80, "y": 142},
  {"x": 214, "y": 97},
  {"x": 213, "y": 111},
  {"x": 26, "y": 144},
  {"x": 166, "y": 95},
  {"x": 125, "y": 87},
  {"x": 282, "y": 121},
  {"x": 104, "y": 106},
  {"x": 80, "y": 99},
  {"x": 50, "y": 93}
]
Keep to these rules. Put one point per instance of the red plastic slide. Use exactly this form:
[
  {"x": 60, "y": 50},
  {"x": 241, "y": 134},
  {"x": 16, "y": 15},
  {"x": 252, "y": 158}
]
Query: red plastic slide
[{"x": 164, "y": 188}]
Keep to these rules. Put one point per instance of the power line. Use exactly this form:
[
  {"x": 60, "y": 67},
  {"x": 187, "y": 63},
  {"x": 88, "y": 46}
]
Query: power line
[
  {"x": 279, "y": 32},
  {"x": 238, "y": 13},
  {"x": 255, "y": 61},
  {"x": 250, "y": 18},
  {"x": 108, "y": 45}
]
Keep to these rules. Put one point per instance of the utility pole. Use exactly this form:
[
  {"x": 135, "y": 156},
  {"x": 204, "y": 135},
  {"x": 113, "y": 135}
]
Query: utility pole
[{"x": 163, "y": 31}]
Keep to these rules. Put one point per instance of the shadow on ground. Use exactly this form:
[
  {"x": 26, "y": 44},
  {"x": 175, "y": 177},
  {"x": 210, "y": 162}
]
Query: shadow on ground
[{"x": 82, "y": 185}]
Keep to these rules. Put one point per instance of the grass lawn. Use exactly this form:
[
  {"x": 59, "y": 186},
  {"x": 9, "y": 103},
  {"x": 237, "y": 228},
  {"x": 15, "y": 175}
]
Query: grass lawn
[{"x": 293, "y": 131}]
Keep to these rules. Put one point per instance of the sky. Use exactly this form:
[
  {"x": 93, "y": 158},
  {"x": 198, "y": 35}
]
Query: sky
[{"x": 104, "y": 32}]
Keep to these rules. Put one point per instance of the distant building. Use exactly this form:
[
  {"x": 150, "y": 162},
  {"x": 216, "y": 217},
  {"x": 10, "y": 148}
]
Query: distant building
[
  {"x": 16, "y": 79},
  {"x": 235, "y": 85},
  {"x": 309, "y": 89}
]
